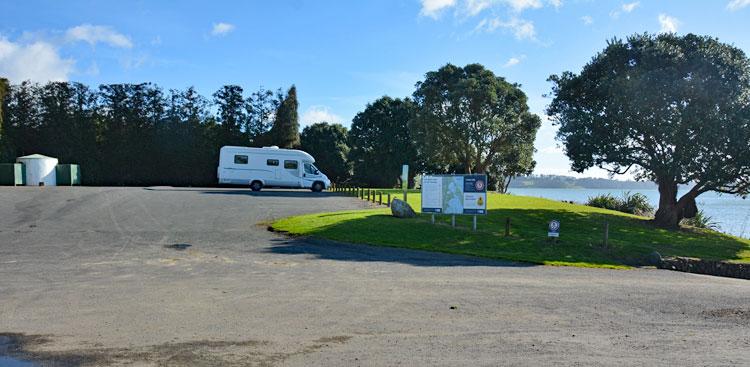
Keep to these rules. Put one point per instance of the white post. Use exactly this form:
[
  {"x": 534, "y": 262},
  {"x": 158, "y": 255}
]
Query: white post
[
  {"x": 433, "y": 219},
  {"x": 453, "y": 220},
  {"x": 405, "y": 179},
  {"x": 475, "y": 223}
]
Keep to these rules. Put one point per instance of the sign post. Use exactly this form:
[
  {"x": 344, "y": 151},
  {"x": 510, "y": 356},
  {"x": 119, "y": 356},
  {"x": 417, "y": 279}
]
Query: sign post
[{"x": 405, "y": 179}]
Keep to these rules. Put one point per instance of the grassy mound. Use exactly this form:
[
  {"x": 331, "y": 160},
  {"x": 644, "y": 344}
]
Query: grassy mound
[{"x": 631, "y": 237}]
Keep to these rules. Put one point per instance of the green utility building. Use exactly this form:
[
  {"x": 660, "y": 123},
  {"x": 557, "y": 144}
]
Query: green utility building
[
  {"x": 12, "y": 174},
  {"x": 68, "y": 174}
]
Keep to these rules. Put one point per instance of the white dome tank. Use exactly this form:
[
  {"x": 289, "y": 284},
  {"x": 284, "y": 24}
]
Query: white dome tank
[{"x": 40, "y": 169}]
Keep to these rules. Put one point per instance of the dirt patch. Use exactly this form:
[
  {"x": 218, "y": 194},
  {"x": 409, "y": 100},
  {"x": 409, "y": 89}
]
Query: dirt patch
[
  {"x": 730, "y": 314},
  {"x": 195, "y": 353}
]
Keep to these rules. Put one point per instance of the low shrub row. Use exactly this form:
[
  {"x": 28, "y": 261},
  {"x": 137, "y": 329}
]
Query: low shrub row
[{"x": 636, "y": 203}]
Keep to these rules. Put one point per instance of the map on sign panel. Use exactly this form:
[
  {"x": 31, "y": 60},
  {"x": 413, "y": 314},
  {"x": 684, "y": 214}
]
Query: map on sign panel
[{"x": 454, "y": 194}]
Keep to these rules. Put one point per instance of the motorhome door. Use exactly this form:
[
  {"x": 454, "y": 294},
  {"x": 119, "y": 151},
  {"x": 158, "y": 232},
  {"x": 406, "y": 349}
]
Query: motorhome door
[{"x": 291, "y": 176}]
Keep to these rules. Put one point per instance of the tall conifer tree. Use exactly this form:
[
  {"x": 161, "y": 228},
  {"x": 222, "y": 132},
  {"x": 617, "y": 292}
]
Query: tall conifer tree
[{"x": 285, "y": 130}]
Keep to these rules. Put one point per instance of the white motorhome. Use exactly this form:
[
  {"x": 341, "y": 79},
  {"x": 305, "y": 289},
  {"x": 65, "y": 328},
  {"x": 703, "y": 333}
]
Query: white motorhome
[{"x": 270, "y": 167}]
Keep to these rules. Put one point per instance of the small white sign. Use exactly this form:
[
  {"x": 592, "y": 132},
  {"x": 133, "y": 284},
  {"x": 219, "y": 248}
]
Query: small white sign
[{"x": 554, "y": 229}]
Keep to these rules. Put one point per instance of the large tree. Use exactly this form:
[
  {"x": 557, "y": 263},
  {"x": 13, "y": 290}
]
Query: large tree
[
  {"x": 514, "y": 160},
  {"x": 4, "y": 86},
  {"x": 285, "y": 130},
  {"x": 381, "y": 142},
  {"x": 261, "y": 109},
  {"x": 672, "y": 109},
  {"x": 469, "y": 116},
  {"x": 327, "y": 143},
  {"x": 232, "y": 114}
]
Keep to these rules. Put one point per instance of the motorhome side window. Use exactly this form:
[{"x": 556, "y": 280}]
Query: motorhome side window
[
  {"x": 272, "y": 162},
  {"x": 240, "y": 159},
  {"x": 290, "y": 164}
]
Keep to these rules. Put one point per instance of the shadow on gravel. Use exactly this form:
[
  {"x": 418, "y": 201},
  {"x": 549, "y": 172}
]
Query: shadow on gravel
[
  {"x": 21, "y": 350},
  {"x": 291, "y": 193},
  {"x": 331, "y": 250}
]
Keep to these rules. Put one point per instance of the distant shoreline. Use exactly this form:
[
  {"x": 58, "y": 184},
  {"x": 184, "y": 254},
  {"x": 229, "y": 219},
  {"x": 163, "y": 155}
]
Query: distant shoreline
[{"x": 568, "y": 182}]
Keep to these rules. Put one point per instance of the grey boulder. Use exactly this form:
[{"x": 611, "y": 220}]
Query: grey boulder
[{"x": 401, "y": 209}]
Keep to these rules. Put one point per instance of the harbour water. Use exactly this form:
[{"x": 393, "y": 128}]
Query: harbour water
[{"x": 731, "y": 213}]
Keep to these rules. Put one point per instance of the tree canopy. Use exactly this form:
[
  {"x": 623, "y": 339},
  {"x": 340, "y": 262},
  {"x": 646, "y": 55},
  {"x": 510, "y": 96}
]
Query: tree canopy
[
  {"x": 132, "y": 134},
  {"x": 381, "y": 142},
  {"x": 328, "y": 144},
  {"x": 672, "y": 109},
  {"x": 469, "y": 117}
]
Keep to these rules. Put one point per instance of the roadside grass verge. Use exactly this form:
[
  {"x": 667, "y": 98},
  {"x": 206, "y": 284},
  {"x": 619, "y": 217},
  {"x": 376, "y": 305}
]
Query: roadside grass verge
[{"x": 631, "y": 238}]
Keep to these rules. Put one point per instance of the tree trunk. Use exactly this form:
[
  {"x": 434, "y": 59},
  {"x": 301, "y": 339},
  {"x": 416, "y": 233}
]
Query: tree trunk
[
  {"x": 671, "y": 211},
  {"x": 667, "y": 215}
]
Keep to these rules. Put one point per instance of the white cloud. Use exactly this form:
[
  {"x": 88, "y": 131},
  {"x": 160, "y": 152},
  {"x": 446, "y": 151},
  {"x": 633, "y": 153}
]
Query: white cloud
[
  {"x": 587, "y": 20},
  {"x": 629, "y": 7},
  {"x": 668, "y": 24},
  {"x": 474, "y": 7},
  {"x": 432, "y": 8},
  {"x": 521, "y": 28},
  {"x": 521, "y": 5},
  {"x": 221, "y": 29},
  {"x": 552, "y": 149},
  {"x": 38, "y": 61},
  {"x": 93, "y": 34},
  {"x": 318, "y": 113},
  {"x": 737, "y": 4},
  {"x": 513, "y": 61},
  {"x": 93, "y": 70},
  {"x": 626, "y": 8}
]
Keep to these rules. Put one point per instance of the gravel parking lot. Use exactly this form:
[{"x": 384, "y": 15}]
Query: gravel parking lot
[{"x": 190, "y": 276}]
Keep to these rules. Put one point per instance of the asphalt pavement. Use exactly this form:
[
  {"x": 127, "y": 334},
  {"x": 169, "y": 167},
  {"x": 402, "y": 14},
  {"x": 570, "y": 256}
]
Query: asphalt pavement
[{"x": 99, "y": 276}]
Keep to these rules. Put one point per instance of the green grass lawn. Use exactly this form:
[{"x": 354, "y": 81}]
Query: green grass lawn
[{"x": 581, "y": 235}]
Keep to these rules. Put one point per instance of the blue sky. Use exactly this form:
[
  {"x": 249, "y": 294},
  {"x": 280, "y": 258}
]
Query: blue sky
[{"x": 340, "y": 54}]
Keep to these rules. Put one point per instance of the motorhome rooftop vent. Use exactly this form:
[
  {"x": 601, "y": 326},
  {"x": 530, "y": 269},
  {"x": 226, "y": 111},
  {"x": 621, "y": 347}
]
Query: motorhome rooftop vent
[{"x": 272, "y": 147}]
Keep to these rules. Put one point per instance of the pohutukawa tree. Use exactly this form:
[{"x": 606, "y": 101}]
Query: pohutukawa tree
[
  {"x": 671, "y": 109},
  {"x": 469, "y": 118}
]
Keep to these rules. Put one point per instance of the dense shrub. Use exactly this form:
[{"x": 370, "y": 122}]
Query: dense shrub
[
  {"x": 636, "y": 203},
  {"x": 701, "y": 220}
]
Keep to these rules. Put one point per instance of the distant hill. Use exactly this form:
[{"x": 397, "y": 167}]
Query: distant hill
[{"x": 568, "y": 182}]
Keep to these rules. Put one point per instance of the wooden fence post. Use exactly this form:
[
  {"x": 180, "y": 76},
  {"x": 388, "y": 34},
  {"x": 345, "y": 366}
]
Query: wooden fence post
[
  {"x": 380, "y": 198},
  {"x": 606, "y": 234},
  {"x": 389, "y": 200}
]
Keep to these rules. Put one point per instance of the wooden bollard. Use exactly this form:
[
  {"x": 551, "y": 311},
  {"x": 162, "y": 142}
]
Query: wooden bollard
[{"x": 388, "y": 204}]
